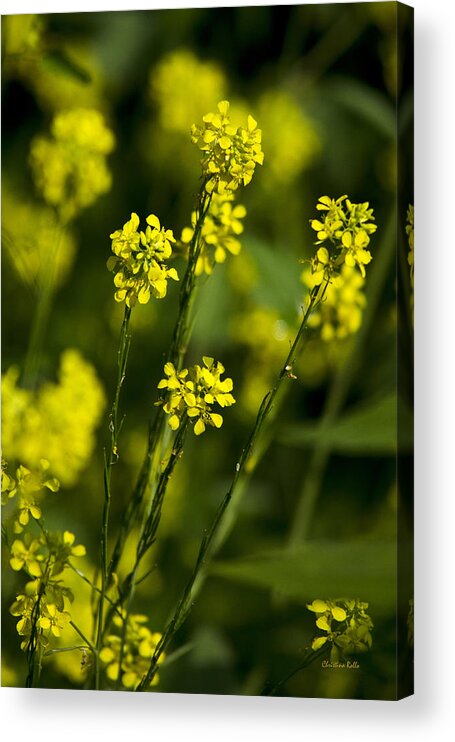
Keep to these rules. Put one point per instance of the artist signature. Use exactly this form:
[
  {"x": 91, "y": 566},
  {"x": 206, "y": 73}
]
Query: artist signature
[{"x": 349, "y": 665}]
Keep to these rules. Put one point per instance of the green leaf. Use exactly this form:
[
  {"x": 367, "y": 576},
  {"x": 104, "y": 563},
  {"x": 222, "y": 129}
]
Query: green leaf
[
  {"x": 364, "y": 102},
  {"x": 326, "y": 569},
  {"x": 369, "y": 429},
  {"x": 279, "y": 271}
]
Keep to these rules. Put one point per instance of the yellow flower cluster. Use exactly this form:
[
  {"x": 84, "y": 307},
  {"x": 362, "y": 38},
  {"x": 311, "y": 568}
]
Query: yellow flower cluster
[
  {"x": 345, "y": 624},
  {"x": 230, "y": 153},
  {"x": 70, "y": 167},
  {"x": 43, "y": 607},
  {"x": 220, "y": 231},
  {"x": 57, "y": 422},
  {"x": 341, "y": 312},
  {"x": 193, "y": 391},
  {"x": 183, "y": 87},
  {"x": 292, "y": 141},
  {"x": 346, "y": 227},
  {"x": 139, "y": 261},
  {"x": 140, "y": 645},
  {"x": 46, "y": 257},
  {"x": 27, "y": 486},
  {"x": 22, "y": 34}
]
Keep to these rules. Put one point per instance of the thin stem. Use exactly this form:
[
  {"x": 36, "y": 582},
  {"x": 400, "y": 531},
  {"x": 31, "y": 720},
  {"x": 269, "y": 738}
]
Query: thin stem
[
  {"x": 184, "y": 604},
  {"x": 110, "y": 458},
  {"x": 149, "y": 530},
  {"x": 314, "y": 474},
  {"x": 83, "y": 637},
  {"x": 175, "y": 356}
]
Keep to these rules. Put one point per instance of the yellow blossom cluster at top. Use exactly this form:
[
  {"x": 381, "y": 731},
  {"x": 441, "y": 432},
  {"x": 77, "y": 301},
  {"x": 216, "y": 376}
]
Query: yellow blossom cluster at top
[
  {"x": 345, "y": 625},
  {"x": 183, "y": 87},
  {"x": 193, "y": 391},
  {"x": 57, "y": 422},
  {"x": 139, "y": 261},
  {"x": 220, "y": 231},
  {"x": 140, "y": 645},
  {"x": 341, "y": 312},
  {"x": 230, "y": 153},
  {"x": 69, "y": 167},
  {"x": 345, "y": 228}
]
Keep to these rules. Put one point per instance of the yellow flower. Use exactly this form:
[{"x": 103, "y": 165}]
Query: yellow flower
[
  {"x": 341, "y": 312},
  {"x": 57, "y": 422},
  {"x": 192, "y": 392},
  {"x": 53, "y": 620},
  {"x": 46, "y": 257},
  {"x": 183, "y": 87},
  {"x": 24, "y": 555},
  {"x": 140, "y": 645},
  {"x": 220, "y": 231},
  {"x": 346, "y": 228},
  {"x": 139, "y": 261},
  {"x": 69, "y": 167},
  {"x": 292, "y": 141},
  {"x": 346, "y": 626},
  {"x": 230, "y": 154}
]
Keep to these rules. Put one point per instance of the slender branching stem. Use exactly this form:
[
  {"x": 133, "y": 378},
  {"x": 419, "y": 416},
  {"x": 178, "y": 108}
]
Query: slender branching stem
[
  {"x": 185, "y": 601},
  {"x": 110, "y": 459},
  {"x": 148, "y": 532},
  {"x": 175, "y": 356}
]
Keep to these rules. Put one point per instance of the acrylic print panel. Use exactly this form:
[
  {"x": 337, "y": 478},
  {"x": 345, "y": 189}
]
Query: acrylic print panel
[{"x": 207, "y": 351}]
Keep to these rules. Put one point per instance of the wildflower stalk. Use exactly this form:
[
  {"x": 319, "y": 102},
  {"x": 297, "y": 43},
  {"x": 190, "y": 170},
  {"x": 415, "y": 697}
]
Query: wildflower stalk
[
  {"x": 184, "y": 605},
  {"x": 175, "y": 356},
  {"x": 110, "y": 458},
  {"x": 33, "y": 645},
  {"x": 149, "y": 529}
]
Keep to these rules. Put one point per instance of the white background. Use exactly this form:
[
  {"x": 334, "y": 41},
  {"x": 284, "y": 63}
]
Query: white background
[{"x": 68, "y": 715}]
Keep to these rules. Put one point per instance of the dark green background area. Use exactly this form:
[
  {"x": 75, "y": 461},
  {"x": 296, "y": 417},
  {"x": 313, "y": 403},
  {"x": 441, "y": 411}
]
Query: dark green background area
[{"x": 250, "y": 624}]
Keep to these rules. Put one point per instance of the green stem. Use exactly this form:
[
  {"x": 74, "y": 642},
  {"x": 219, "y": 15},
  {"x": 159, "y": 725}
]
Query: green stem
[
  {"x": 185, "y": 602},
  {"x": 314, "y": 473},
  {"x": 175, "y": 356},
  {"x": 110, "y": 459},
  {"x": 83, "y": 637},
  {"x": 148, "y": 532}
]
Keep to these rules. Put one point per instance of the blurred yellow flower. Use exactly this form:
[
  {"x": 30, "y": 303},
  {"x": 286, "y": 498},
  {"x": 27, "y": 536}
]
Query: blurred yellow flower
[
  {"x": 43, "y": 255},
  {"x": 183, "y": 88},
  {"x": 56, "y": 422},
  {"x": 290, "y": 138},
  {"x": 69, "y": 167}
]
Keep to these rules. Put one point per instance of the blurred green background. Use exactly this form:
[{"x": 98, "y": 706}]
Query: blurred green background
[{"x": 319, "y": 514}]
